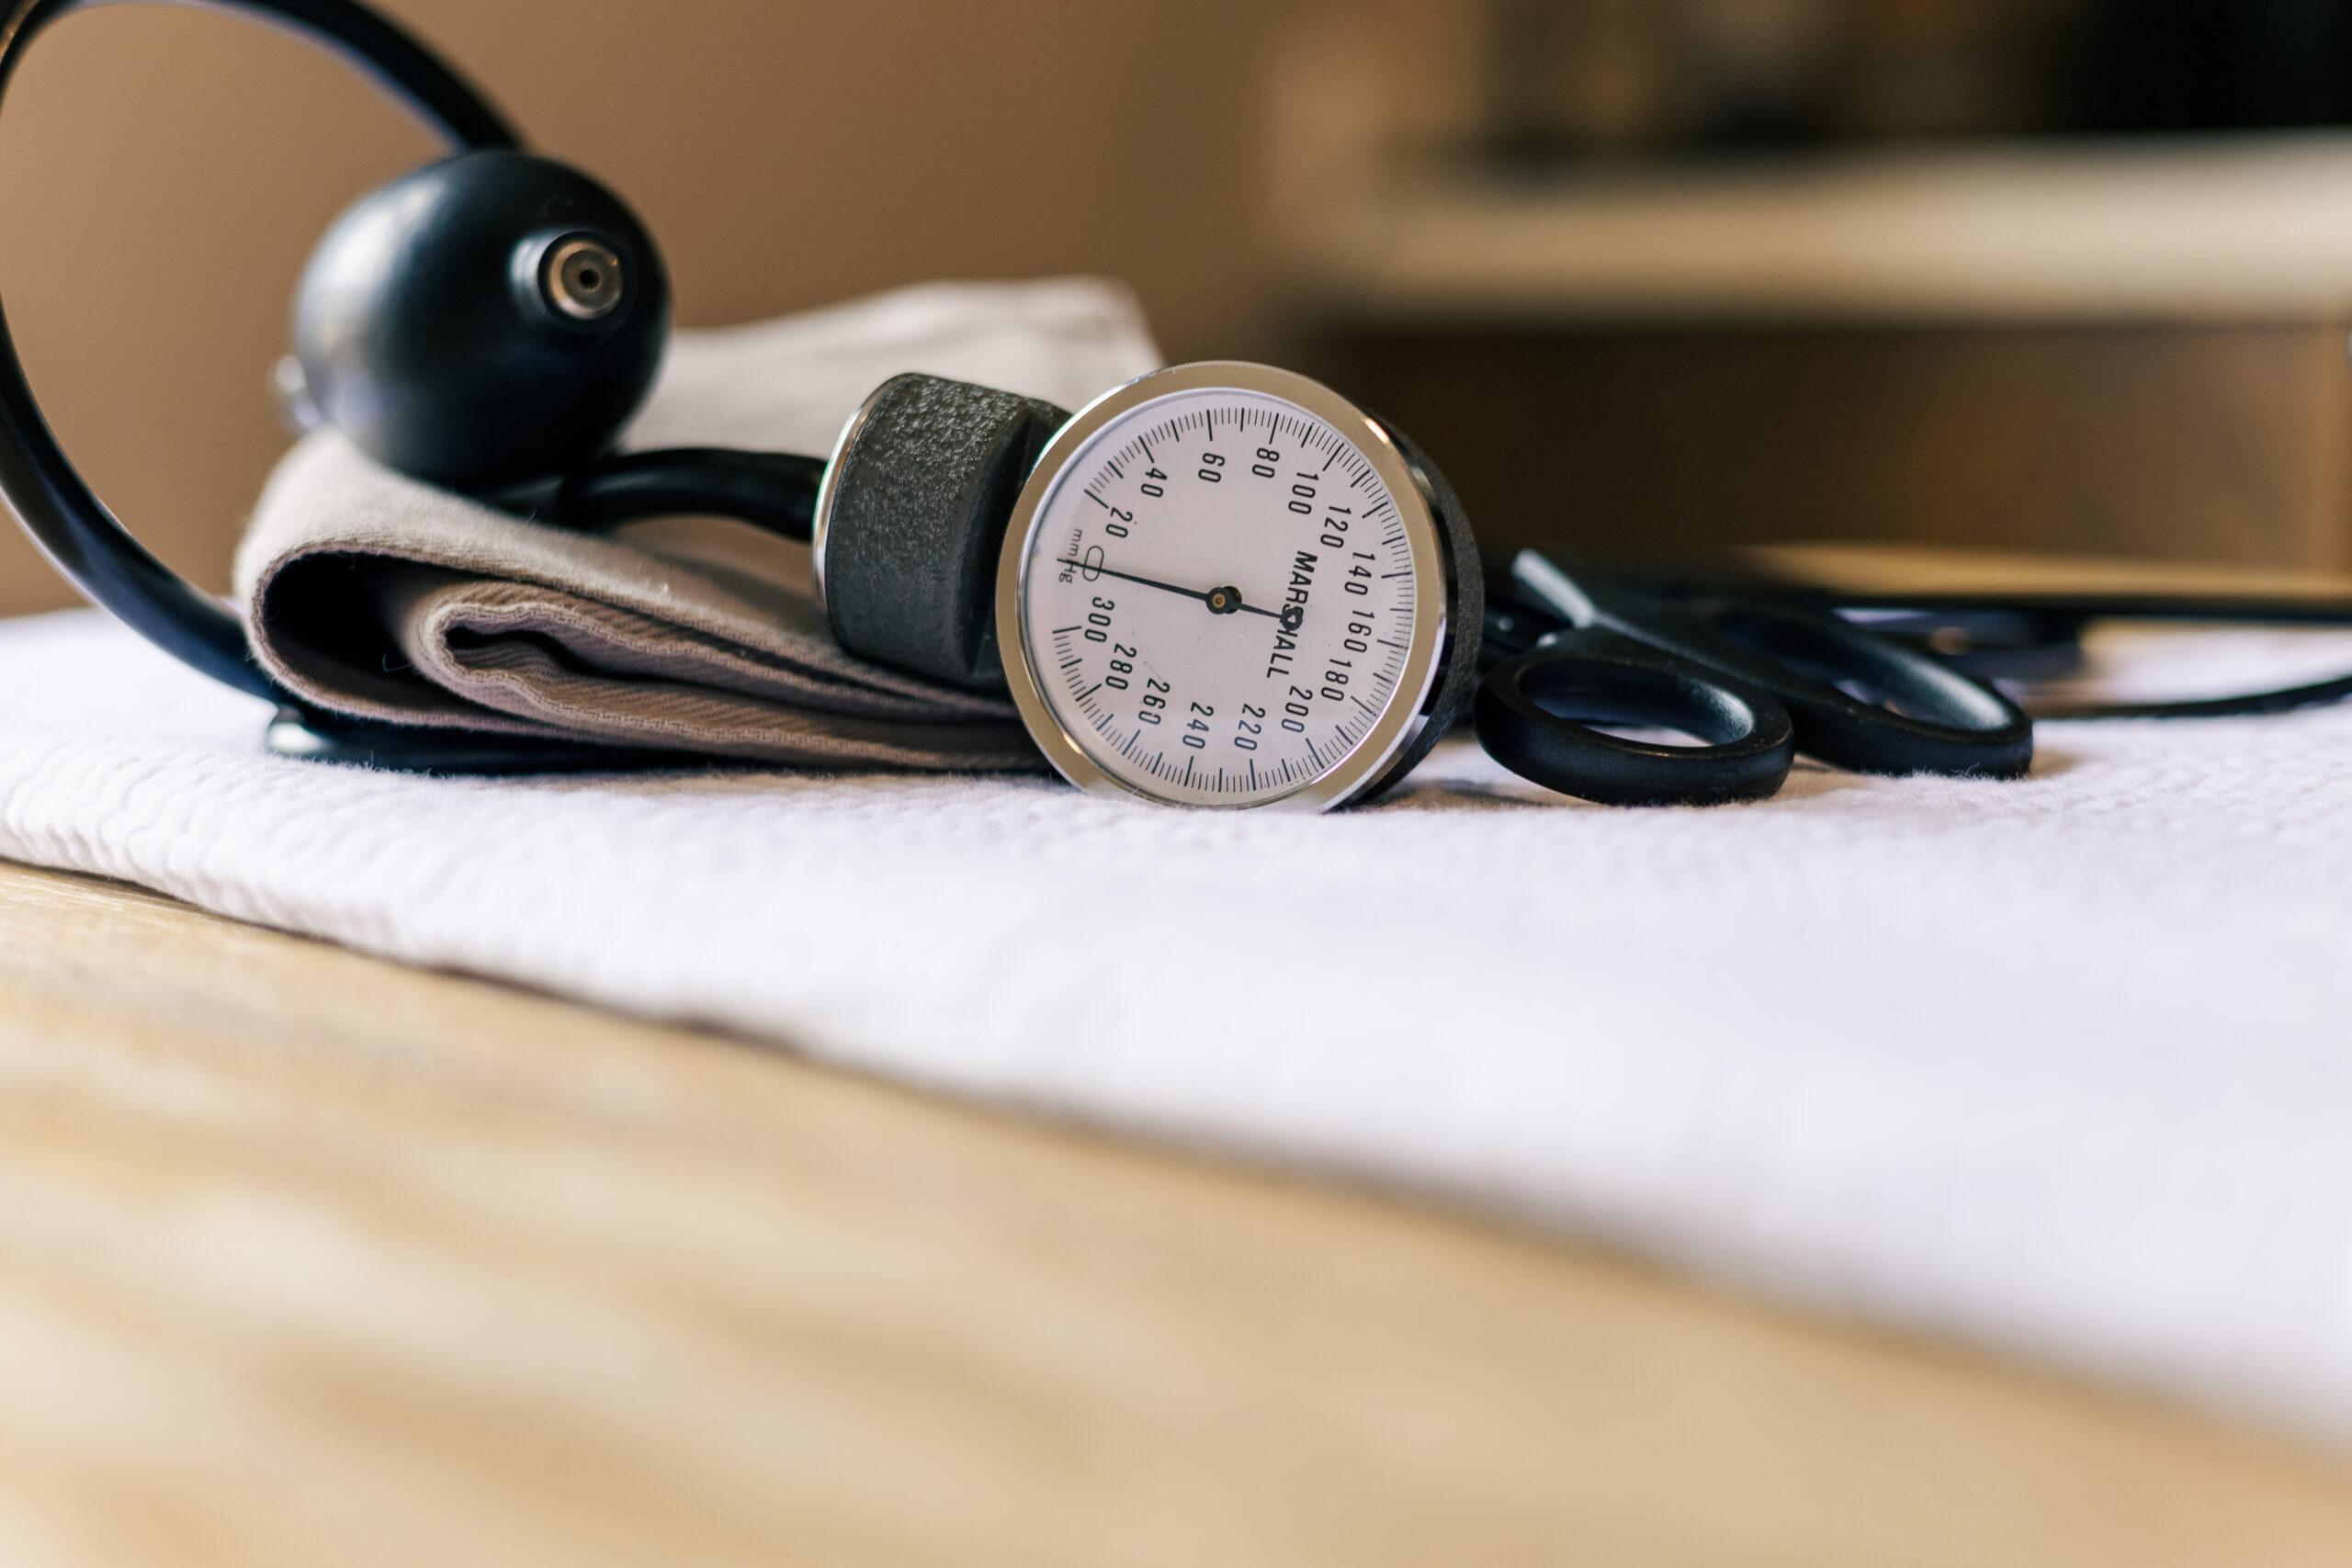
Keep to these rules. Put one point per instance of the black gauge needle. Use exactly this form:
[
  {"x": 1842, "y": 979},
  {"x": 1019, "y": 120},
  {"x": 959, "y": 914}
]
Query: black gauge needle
[{"x": 1220, "y": 601}]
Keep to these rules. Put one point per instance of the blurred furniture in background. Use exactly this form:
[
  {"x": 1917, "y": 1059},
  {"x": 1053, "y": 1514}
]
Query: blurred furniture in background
[
  {"x": 1655, "y": 277},
  {"x": 2089, "y": 350}
]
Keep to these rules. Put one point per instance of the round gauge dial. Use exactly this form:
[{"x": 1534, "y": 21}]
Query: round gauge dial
[{"x": 1221, "y": 587}]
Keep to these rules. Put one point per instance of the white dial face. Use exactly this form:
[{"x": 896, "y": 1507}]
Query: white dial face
[{"x": 1218, "y": 599}]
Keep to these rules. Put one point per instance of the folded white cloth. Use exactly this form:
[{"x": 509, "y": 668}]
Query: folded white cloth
[{"x": 2062, "y": 1065}]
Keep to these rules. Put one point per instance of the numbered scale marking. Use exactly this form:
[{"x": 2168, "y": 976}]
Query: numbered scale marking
[{"x": 1219, "y": 595}]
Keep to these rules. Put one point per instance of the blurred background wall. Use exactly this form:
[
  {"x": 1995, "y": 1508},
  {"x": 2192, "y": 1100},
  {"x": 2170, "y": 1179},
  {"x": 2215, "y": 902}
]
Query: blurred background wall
[{"x": 1261, "y": 173}]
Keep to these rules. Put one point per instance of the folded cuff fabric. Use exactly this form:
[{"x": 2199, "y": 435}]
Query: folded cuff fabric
[{"x": 373, "y": 596}]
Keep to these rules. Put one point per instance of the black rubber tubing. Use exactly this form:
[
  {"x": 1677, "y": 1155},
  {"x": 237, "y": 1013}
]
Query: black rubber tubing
[
  {"x": 1955, "y": 725},
  {"x": 1535, "y": 715},
  {"x": 775, "y": 491}
]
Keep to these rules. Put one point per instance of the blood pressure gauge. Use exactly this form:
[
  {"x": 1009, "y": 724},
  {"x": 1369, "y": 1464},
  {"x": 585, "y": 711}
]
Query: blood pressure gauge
[{"x": 1224, "y": 585}]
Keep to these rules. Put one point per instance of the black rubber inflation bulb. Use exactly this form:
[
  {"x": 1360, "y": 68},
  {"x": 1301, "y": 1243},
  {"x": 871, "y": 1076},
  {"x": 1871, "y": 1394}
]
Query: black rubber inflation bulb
[{"x": 486, "y": 320}]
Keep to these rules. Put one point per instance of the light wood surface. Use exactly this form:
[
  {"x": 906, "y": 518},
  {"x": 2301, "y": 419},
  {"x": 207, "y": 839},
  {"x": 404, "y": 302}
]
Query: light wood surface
[{"x": 309, "y": 1260}]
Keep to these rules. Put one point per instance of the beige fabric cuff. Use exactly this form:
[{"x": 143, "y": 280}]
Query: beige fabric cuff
[
  {"x": 377, "y": 597},
  {"x": 371, "y": 596}
]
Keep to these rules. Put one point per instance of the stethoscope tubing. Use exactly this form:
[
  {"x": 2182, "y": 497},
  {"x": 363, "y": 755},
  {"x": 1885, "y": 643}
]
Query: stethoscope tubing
[
  {"x": 2072, "y": 612},
  {"x": 1536, "y": 714},
  {"x": 1913, "y": 714},
  {"x": 1944, "y": 722}
]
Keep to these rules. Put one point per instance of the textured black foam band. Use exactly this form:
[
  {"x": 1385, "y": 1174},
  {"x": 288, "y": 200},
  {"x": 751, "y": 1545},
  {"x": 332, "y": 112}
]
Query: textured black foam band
[{"x": 921, "y": 494}]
